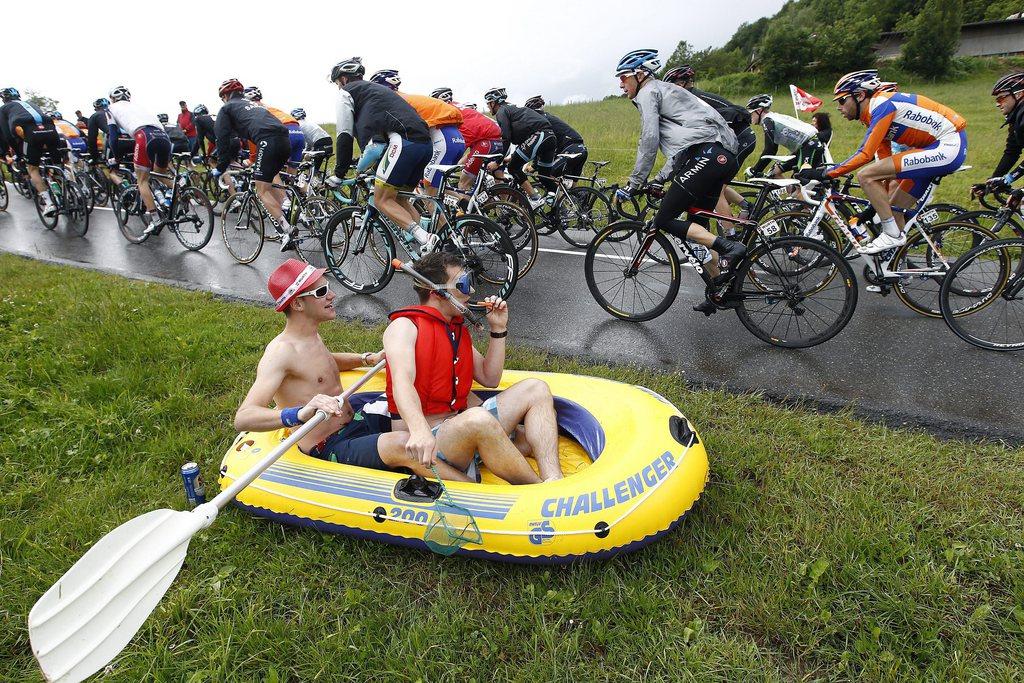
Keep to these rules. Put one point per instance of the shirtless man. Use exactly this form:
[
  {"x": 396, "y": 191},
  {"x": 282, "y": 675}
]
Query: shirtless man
[
  {"x": 297, "y": 370},
  {"x": 431, "y": 367}
]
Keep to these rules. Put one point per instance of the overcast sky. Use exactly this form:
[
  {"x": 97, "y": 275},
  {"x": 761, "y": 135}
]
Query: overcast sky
[{"x": 182, "y": 50}]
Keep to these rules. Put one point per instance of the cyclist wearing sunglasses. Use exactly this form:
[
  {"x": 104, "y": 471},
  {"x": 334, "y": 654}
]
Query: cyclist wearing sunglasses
[
  {"x": 932, "y": 133},
  {"x": 299, "y": 376},
  {"x": 1009, "y": 94},
  {"x": 431, "y": 368}
]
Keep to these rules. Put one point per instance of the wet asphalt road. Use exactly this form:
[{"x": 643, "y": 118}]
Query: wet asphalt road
[{"x": 889, "y": 363}]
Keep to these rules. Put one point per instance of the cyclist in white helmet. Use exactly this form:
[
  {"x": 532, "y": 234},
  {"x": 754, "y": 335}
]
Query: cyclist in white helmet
[{"x": 317, "y": 139}]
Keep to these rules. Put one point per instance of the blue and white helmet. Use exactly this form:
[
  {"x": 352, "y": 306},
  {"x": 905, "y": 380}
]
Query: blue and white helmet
[
  {"x": 253, "y": 94},
  {"x": 299, "y": 113},
  {"x": 856, "y": 81},
  {"x": 388, "y": 77},
  {"x": 638, "y": 60},
  {"x": 10, "y": 94}
]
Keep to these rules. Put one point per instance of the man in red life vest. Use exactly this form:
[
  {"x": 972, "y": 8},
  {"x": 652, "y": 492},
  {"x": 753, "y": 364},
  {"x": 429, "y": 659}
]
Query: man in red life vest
[{"x": 431, "y": 367}]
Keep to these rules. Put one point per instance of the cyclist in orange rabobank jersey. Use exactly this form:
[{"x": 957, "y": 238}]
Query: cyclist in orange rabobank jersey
[{"x": 932, "y": 133}]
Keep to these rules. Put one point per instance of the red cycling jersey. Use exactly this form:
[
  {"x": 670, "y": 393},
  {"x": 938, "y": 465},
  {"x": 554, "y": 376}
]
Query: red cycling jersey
[{"x": 476, "y": 127}]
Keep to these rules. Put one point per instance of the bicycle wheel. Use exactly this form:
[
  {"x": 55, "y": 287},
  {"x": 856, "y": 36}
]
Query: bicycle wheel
[
  {"x": 56, "y": 199},
  {"x": 351, "y": 247},
  {"x": 312, "y": 222},
  {"x": 1003, "y": 223},
  {"x": 4, "y": 195},
  {"x": 794, "y": 224},
  {"x": 99, "y": 186},
  {"x": 489, "y": 254},
  {"x": 506, "y": 193},
  {"x": 520, "y": 228},
  {"x": 794, "y": 306},
  {"x": 76, "y": 207},
  {"x": 921, "y": 267},
  {"x": 624, "y": 278},
  {"x": 22, "y": 183},
  {"x": 128, "y": 211},
  {"x": 995, "y": 320},
  {"x": 581, "y": 213},
  {"x": 241, "y": 226},
  {"x": 193, "y": 218}
]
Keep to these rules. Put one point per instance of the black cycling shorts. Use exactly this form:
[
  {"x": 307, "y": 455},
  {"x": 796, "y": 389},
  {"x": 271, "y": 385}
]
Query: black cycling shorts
[
  {"x": 573, "y": 166},
  {"x": 540, "y": 148},
  {"x": 747, "y": 141},
  {"x": 38, "y": 141},
  {"x": 699, "y": 174},
  {"x": 271, "y": 155}
]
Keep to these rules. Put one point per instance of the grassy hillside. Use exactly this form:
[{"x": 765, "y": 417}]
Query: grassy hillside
[
  {"x": 824, "y": 548},
  {"x": 611, "y": 127}
]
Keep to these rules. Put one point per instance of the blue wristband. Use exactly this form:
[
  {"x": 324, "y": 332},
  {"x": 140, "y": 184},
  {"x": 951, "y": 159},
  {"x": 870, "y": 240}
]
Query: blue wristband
[{"x": 290, "y": 417}]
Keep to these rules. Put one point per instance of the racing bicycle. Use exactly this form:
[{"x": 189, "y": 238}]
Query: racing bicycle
[
  {"x": 633, "y": 272},
  {"x": 182, "y": 208}
]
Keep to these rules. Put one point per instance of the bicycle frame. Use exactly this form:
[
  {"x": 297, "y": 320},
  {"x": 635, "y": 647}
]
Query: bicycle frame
[{"x": 880, "y": 269}]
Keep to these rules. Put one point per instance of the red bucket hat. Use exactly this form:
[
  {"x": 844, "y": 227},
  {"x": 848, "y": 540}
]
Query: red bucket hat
[{"x": 290, "y": 279}]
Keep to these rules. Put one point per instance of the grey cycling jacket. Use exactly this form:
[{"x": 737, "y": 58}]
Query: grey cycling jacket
[{"x": 673, "y": 120}]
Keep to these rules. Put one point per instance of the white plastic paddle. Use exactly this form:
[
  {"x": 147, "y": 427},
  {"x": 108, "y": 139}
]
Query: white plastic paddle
[{"x": 95, "y": 609}]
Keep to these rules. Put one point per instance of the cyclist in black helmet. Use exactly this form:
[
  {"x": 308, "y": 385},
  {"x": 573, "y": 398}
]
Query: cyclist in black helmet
[{"x": 1009, "y": 94}]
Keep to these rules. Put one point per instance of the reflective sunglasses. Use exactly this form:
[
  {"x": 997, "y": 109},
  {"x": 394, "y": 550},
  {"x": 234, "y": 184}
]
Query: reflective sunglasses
[
  {"x": 318, "y": 293},
  {"x": 464, "y": 284},
  {"x": 842, "y": 100}
]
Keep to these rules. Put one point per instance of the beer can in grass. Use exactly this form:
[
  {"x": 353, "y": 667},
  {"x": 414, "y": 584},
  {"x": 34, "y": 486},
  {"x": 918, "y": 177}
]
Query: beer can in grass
[{"x": 195, "y": 490}]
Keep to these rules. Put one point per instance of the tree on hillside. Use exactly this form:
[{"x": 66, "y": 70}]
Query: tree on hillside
[
  {"x": 934, "y": 38},
  {"x": 44, "y": 103},
  {"x": 683, "y": 54},
  {"x": 846, "y": 44},
  {"x": 709, "y": 62},
  {"x": 748, "y": 36},
  {"x": 785, "y": 52}
]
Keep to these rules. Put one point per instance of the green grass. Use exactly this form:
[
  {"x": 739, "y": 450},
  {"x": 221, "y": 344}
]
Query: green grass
[{"x": 824, "y": 547}]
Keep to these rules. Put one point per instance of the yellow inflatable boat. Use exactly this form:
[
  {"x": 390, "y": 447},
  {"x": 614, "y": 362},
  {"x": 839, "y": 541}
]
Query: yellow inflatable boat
[{"x": 633, "y": 467}]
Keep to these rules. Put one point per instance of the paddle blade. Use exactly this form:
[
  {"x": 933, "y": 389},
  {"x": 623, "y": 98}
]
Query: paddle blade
[{"x": 91, "y": 613}]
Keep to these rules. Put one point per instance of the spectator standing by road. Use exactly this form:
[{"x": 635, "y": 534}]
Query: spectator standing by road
[{"x": 187, "y": 125}]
